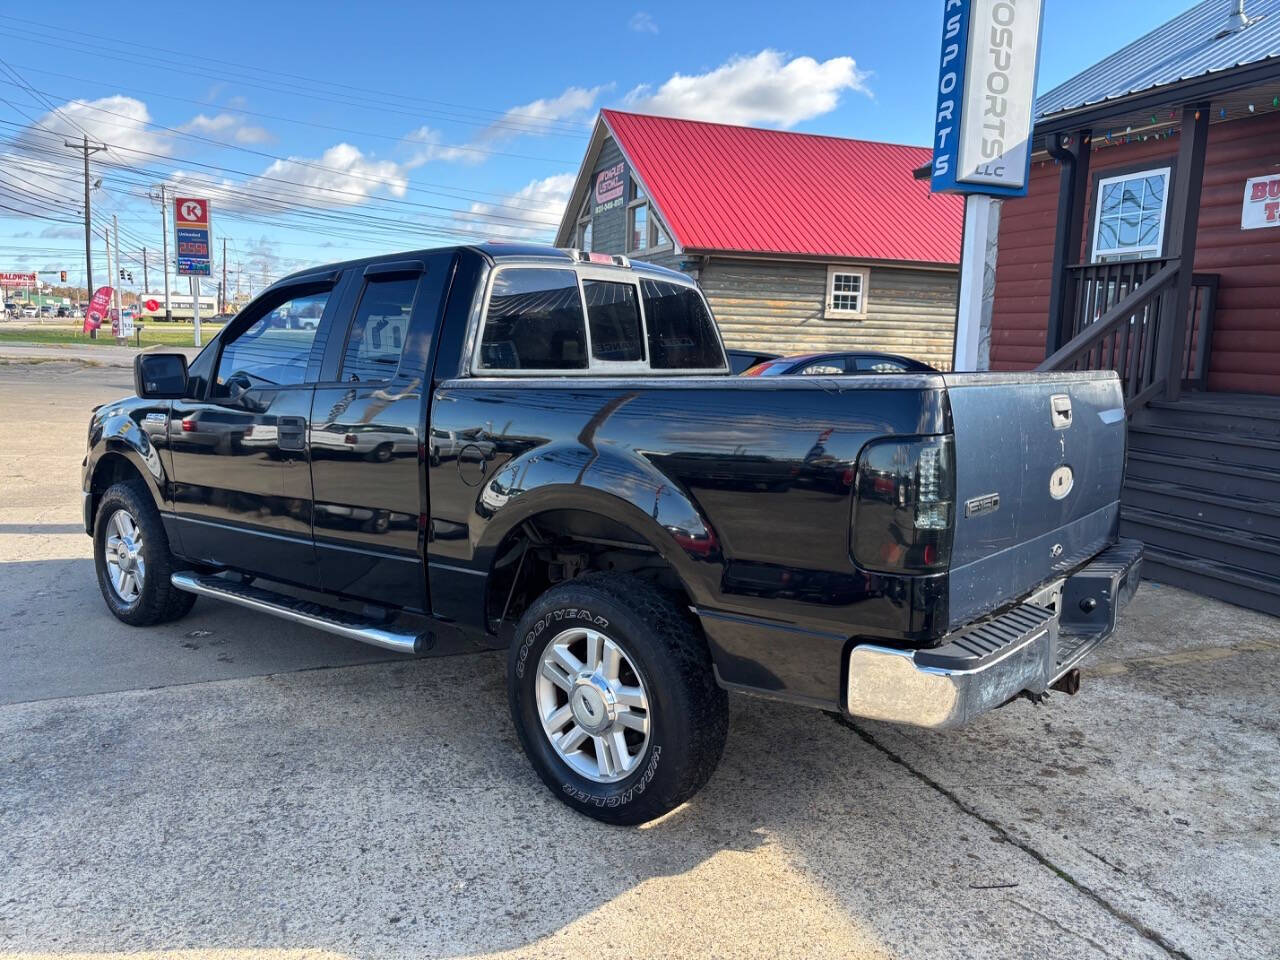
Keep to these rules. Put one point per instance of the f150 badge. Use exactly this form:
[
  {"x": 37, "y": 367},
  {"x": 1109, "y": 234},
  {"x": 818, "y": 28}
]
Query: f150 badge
[{"x": 987, "y": 503}]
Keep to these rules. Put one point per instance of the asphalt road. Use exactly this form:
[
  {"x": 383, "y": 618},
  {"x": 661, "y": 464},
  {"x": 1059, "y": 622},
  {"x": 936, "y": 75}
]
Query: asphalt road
[{"x": 235, "y": 787}]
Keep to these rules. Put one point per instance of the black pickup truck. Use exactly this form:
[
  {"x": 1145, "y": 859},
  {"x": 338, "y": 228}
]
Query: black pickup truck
[{"x": 543, "y": 450}]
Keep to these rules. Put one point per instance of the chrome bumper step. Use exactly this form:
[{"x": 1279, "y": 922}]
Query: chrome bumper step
[
  {"x": 328, "y": 619},
  {"x": 1027, "y": 648}
]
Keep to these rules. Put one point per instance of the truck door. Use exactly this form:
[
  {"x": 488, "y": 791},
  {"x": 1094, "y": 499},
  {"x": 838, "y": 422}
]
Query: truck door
[
  {"x": 242, "y": 484},
  {"x": 368, "y": 427}
]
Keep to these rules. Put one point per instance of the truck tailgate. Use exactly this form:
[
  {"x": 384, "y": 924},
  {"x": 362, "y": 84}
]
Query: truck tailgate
[{"x": 1039, "y": 462}]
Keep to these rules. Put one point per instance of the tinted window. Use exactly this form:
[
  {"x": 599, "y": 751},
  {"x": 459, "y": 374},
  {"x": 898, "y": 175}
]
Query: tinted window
[
  {"x": 826, "y": 368},
  {"x": 882, "y": 365},
  {"x": 682, "y": 334},
  {"x": 535, "y": 322},
  {"x": 614, "y": 316},
  {"x": 379, "y": 329},
  {"x": 274, "y": 349}
]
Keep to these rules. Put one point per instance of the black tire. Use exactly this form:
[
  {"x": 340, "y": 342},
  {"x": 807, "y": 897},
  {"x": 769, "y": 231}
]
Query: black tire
[
  {"x": 158, "y": 601},
  {"x": 689, "y": 715}
]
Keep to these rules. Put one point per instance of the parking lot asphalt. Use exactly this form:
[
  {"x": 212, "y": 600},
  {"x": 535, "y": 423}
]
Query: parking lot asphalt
[{"x": 235, "y": 787}]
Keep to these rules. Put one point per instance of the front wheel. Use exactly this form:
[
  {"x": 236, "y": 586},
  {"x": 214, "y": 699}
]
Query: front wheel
[
  {"x": 613, "y": 696},
  {"x": 131, "y": 554}
]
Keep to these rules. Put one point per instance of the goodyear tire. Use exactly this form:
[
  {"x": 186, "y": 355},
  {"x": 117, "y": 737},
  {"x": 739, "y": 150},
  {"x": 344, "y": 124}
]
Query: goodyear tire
[{"x": 614, "y": 699}]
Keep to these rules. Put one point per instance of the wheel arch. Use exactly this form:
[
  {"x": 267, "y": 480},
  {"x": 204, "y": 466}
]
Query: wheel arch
[
  {"x": 119, "y": 462},
  {"x": 685, "y": 542}
]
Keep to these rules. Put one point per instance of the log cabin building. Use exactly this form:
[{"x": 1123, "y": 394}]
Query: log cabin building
[
  {"x": 801, "y": 243},
  {"x": 1149, "y": 243}
]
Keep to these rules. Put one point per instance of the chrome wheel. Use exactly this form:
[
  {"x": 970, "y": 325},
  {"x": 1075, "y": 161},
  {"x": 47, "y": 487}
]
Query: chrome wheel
[
  {"x": 126, "y": 568},
  {"x": 593, "y": 704}
]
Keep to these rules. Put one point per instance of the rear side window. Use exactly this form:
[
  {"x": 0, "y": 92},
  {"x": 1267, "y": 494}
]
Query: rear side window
[
  {"x": 682, "y": 335},
  {"x": 379, "y": 329},
  {"x": 613, "y": 311},
  {"x": 535, "y": 321}
]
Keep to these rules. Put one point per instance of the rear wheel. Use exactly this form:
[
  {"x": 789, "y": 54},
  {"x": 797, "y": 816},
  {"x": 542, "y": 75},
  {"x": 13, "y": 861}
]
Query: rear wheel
[
  {"x": 133, "y": 561},
  {"x": 614, "y": 699}
]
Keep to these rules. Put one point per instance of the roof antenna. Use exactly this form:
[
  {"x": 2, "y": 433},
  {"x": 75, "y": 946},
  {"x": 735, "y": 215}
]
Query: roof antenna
[{"x": 1236, "y": 20}]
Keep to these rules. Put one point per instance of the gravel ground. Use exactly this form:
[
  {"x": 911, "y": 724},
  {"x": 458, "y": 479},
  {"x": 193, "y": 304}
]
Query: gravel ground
[{"x": 235, "y": 787}]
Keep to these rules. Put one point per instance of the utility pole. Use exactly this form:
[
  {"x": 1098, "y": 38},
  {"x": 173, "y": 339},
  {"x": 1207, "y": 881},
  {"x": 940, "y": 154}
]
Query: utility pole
[
  {"x": 164, "y": 264},
  {"x": 115, "y": 227},
  {"x": 87, "y": 149},
  {"x": 144, "y": 272},
  {"x": 223, "y": 305},
  {"x": 106, "y": 237}
]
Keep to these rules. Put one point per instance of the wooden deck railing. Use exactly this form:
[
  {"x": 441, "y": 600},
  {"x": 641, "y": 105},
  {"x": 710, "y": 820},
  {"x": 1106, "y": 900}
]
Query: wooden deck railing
[
  {"x": 1119, "y": 311},
  {"x": 1118, "y": 314}
]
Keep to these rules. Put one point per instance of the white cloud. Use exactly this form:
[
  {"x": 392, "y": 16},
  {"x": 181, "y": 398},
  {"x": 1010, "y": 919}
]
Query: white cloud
[
  {"x": 48, "y": 176},
  {"x": 762, "y": 89},
  {"x": 642, "y": 22},
  {"x": 429, "y": 148},
  {"x": 342, "y": 176},
  {"x": 537, "y": 118},
  {"x": 540, "y": 204},
  {"x": 224, "y": 125},
  {"x": 534, "y": 119}
]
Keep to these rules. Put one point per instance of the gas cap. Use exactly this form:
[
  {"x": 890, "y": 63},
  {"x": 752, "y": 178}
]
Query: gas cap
[{"x": 1060, "y": 482}]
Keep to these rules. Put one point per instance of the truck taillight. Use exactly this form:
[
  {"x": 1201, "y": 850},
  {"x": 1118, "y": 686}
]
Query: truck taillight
[{"x": 904, "y": 505}]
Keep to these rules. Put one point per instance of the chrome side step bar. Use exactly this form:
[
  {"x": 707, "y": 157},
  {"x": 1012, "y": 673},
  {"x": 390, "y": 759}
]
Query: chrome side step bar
[{"x": 339, "y": 622}]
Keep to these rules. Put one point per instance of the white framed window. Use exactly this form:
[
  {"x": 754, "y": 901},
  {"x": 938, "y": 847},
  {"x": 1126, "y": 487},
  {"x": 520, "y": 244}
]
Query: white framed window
[
  {"x": 846, "y": 293},
  {"x": 1128, "y": 223},
  {"x": 638, "y": 228},
  {"x": 644, "y": 230},
  {"x": 583, "y": 233}
]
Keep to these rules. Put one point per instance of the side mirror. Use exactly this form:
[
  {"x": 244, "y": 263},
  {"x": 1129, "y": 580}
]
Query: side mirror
[{"x": 160, "y": 376}]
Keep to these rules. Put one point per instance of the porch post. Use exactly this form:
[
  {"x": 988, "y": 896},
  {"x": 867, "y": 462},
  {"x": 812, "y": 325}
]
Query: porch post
[
  {"x": 1073, "y": 189},
  {"x": 1180, "y": 241}
]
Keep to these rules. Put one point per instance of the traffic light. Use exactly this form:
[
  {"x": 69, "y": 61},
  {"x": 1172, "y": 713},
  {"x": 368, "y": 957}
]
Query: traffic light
[
  {"x": 62, "y": 277},
  {"x": 122, "y": 273}
]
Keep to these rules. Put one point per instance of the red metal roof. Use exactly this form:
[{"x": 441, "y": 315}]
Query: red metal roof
[{"x": 749, "y": 190}]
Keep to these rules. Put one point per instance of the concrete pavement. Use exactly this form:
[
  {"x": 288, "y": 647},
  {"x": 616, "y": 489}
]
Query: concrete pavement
[{"x": 234, "y": 787}]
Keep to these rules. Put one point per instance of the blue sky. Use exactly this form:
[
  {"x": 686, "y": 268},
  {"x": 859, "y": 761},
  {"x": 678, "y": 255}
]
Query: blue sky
[{"x": 358, "y": 128}]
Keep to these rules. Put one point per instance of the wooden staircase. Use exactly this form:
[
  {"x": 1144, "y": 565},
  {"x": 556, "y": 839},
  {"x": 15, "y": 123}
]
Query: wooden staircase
[{"x": 1202, "y": 491}]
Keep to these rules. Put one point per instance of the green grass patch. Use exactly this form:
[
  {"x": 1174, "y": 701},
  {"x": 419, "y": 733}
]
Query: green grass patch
[{"x": 169, "y": 335}]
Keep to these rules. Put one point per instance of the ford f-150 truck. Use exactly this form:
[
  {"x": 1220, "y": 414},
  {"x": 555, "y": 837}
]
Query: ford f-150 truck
[{"x": 544, "y": 450}]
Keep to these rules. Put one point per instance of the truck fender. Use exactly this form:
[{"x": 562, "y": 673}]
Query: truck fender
[
  {"x": 619, "y": 485},
  {"x": 121, "y": 436}
]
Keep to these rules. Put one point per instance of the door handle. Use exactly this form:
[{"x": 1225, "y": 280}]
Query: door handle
[{"x": 291, "y": 433}]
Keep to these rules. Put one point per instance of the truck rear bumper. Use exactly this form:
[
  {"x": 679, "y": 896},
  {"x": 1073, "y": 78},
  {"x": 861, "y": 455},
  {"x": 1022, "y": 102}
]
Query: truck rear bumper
[{"x": 1027, "y": 648}]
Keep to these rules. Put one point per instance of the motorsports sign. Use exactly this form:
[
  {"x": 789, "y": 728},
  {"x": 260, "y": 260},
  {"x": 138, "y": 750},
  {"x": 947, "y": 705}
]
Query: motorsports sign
[
  {"x": 192, "y": 237},
  {"x": 17, "y": 279},
  {"x": 986, "y": 89}
]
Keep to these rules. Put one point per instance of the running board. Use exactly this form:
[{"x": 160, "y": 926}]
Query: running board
[{"x": 349, "y": 625}]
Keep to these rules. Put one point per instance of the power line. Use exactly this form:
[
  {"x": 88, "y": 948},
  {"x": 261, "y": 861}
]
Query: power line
[{"x": 490, "y": 116}]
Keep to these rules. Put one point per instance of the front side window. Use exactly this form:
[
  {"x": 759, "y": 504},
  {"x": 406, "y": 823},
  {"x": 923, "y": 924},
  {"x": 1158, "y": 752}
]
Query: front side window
[
  {"x": 275, "y": 349},
  {"x": 535, "y": 321},
  {"x": 1129, "y": 222},
  {"x": 846, "y": 292},
  {"x": 682, "y": 335},
  {"x": 379, "y": 329},
  {"x": 613, "y": 311}
]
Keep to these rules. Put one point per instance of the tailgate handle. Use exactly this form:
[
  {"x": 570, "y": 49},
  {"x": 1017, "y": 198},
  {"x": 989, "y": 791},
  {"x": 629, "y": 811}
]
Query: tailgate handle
[{"x": 1060, "y": 409}]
